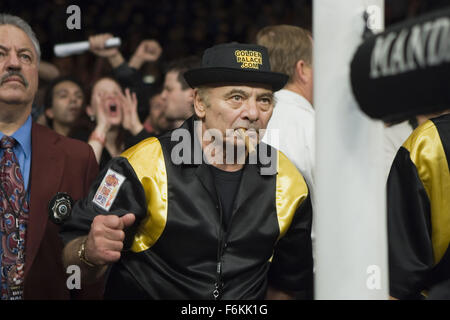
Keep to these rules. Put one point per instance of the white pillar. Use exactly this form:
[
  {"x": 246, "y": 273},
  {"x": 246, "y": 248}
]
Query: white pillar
[{"x": 350, "y": 220}]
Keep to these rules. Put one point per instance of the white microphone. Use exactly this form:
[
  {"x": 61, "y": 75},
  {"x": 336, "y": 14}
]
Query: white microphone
[{"x": 67, "y": 49}]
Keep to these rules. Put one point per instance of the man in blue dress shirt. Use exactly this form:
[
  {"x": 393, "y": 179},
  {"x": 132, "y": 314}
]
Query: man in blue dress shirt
[{"x": 36, "y": 164}]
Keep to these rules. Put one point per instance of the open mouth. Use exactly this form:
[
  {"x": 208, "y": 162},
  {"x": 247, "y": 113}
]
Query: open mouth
[{"x": 113, "y": 109}]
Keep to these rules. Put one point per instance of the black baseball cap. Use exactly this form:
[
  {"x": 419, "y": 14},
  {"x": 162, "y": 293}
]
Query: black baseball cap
[{"x": 235, "y": 63}]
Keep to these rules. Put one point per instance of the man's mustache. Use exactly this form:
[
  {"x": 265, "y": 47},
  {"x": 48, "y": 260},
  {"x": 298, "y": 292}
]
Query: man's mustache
[{"x": 14, "y": 73}]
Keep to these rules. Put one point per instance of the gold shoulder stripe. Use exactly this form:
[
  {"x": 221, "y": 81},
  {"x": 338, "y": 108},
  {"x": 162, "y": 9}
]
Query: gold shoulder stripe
[
  {"x": 428, "y": 155},
  {"x": 147, "y": 160},
  {"x": 291, "y": 191}
]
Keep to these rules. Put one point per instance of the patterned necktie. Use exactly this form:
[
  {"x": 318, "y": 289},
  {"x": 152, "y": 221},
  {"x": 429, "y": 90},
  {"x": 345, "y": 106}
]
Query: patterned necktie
[{"x": 14, "y": 212}]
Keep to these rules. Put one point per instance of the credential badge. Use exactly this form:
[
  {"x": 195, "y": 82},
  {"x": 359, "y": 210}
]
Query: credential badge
[{"x": 108, "y": 189}]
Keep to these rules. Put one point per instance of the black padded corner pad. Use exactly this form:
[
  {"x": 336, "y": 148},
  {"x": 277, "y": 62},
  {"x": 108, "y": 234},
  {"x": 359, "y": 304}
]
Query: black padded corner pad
[{"x": 404, "y": 71}]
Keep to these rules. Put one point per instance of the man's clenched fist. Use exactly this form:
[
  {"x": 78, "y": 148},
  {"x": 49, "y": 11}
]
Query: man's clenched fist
[{"x": 105, "y": 239}]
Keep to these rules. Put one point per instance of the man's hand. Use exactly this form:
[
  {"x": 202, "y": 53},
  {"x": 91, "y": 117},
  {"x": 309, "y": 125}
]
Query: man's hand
[
  {"x": 147, "y": 51},
  {"x": 101, "y": 118},
  {"x": 97, "y": 46},
  {"x": 105, "y": 239},
  {"x": 130, "y": 117}
]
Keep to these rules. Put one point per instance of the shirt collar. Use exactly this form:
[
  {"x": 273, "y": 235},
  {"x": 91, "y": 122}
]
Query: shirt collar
[
  {"x": 23, "y": 137},
  {"x": 294, "y": 98}
]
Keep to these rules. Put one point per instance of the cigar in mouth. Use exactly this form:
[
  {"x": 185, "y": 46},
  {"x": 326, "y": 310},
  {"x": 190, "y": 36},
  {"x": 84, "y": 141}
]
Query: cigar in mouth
[{"x": 248, "y": 144}]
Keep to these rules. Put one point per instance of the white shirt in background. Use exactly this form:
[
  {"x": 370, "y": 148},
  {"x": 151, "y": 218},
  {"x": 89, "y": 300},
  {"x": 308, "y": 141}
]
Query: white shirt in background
[{"x": 294, "y": 116}]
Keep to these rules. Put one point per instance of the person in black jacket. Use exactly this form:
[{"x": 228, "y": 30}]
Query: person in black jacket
[
  {"x": 205, "y": 211},
  {"x": 419, "y": 213}
]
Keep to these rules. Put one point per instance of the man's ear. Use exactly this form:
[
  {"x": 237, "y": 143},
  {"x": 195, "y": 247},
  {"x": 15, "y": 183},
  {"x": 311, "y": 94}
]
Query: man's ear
[
  {"x": 303, "y": 71},
  {"x": 49, "y": 113},
  {"x": 199, "y": 105}
]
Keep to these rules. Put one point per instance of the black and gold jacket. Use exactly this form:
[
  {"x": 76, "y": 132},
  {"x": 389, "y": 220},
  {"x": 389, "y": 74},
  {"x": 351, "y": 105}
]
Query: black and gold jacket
[
  {"x": 419, "y": 213},
  {"x": 178, "y": 246}
]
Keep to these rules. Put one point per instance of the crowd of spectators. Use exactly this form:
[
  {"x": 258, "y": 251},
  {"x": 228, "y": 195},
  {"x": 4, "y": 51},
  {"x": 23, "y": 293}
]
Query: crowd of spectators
[
  {"x": 112, "y": 98},
  {"x": 182, "y": 28}
]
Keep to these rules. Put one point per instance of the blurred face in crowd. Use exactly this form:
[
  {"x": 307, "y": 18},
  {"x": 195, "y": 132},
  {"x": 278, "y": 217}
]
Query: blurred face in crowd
[
  {"x": 67, "y": 102},
  {"x": 18, "y": 67},
  {"x": 105, "y": 99},
  {"x": 158, "y": 118},
  {"x": 233, "y": 107},
  {"x": 178, "y": 101}
]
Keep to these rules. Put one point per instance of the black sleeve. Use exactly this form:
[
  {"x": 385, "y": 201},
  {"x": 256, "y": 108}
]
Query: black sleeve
[
  {"x": 127, "y": 76},
  {"x": 130, "y": 198},
  {"x": 409, "y": 229},
  {"x": 291, "y": 269}
]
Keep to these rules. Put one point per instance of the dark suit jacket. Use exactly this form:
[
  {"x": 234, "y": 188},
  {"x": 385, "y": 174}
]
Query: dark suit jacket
[{"x": 58, "y": 164}]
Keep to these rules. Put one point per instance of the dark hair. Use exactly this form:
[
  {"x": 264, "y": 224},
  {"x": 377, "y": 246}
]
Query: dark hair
[
  {"x": 48, "y": 98},
  {"x": 181, "y": 66}
]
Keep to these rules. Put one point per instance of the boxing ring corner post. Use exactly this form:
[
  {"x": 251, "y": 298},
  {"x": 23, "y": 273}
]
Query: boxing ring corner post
[{"x": 350, "y": 218}]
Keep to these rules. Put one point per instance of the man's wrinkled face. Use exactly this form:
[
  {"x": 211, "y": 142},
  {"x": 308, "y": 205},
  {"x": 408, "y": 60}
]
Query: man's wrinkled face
[
  {"x": 18, "y": 66},
  {"x": 232, "y": 107}
]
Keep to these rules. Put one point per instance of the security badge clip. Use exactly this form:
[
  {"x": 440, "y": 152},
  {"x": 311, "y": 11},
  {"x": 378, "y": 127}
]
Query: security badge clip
[{"x": 60, "y": 208}]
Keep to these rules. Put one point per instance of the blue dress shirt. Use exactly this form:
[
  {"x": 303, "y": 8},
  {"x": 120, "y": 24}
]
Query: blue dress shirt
[{"x": 22, "y": 149}]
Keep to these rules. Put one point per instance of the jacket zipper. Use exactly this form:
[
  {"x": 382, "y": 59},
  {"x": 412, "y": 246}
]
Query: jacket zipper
[{"x": 218, "y": 285}]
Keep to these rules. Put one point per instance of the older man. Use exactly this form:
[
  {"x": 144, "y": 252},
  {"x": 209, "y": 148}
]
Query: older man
[
  {"x": 36, "y": 165},
  {"x": 200, "y": 209}
]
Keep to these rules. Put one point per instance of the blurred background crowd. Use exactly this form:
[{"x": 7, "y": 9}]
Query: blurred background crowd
[
  {"x": 155, "y": 35},
  {"x": 181, "y": 27}
]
